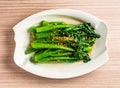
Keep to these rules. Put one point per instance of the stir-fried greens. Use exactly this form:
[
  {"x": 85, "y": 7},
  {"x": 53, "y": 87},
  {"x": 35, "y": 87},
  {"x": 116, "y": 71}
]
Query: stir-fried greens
[{"x": 61, "y": 42}]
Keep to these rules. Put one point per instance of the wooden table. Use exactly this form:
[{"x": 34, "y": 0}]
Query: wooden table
[{"x": 13, "y": 11}]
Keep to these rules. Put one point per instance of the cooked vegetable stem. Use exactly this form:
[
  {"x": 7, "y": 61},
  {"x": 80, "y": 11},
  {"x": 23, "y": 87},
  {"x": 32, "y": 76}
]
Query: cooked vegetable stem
[{"x": 61, "y": 42}]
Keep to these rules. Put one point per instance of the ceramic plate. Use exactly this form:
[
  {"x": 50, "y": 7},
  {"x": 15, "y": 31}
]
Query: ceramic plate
[{"x": 60, "y": 70}]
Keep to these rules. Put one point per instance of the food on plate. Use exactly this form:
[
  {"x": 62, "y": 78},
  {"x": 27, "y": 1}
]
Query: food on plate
[{"x": 61, "y": 42}]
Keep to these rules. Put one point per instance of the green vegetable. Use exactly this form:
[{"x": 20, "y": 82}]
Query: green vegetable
[
  {"x": 38, "y": 45},
  {"x": 88, "y": 49},
  {"x": 46, "y": 60},
  {"x": 30, "y": 50},
  {"x": 46, "y": 23},
  {"x": 50, "y": 28},
  {"x": 60, "y": 42},
  {"x": 62, "y": 54},
  {"x": 32, "y": 29},
  {"x": 42, "y": 35},
  {"x": 46, "y": 53}
]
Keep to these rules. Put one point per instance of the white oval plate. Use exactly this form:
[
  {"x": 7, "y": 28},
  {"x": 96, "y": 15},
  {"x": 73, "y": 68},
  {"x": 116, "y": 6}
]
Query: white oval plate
[{"x": 59, "y": 70}]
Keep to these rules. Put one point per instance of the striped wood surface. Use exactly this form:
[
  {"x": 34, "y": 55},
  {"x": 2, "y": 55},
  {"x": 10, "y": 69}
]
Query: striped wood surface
[{"x": 12, "y": 11}]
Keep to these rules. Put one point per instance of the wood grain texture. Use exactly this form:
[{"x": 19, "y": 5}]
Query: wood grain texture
[{"x": 13, "y": 11}]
